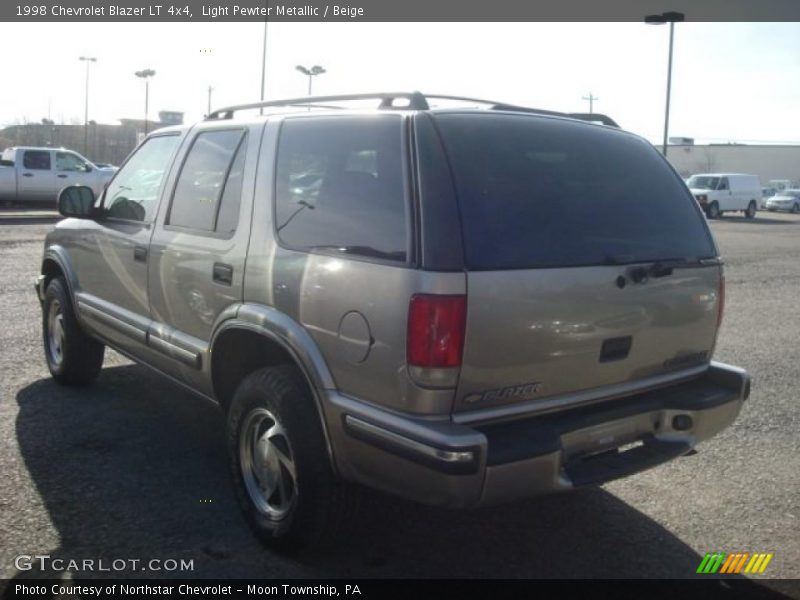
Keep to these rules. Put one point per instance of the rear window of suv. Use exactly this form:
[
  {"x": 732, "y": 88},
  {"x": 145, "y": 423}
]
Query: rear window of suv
[{"x": 537, "y": 192}]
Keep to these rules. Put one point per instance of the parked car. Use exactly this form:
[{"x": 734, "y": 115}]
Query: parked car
[
  {"x": 787, "y": 200},
  {"x": 29, "y": 174},
  {"x": 766, "y": 192},
  {"x": 457, "y": 306},
  {"x": 718, "y": 193}
]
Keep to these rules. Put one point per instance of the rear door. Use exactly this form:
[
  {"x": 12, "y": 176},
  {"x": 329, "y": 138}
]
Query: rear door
[
  {"x": 588, "y": 265},
  {"x": 198, "y": 249},
  {"x": 36, "y": 178}
]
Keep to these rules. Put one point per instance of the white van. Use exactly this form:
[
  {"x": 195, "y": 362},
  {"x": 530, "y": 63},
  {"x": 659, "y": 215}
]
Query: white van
[{"x": 719, "y": 193}]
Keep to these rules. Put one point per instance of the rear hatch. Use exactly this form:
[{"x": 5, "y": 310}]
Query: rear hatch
[{"x": 589, "y": 264}]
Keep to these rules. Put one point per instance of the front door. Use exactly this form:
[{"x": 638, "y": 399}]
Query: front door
[{"x": 112, "y": 256}]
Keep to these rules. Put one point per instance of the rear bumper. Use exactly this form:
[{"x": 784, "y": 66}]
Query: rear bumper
[{"x": 450, "y": 464}]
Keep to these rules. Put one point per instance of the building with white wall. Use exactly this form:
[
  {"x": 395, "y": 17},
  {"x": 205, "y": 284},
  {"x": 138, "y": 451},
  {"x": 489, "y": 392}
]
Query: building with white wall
[{"x": 768, "y": 162}]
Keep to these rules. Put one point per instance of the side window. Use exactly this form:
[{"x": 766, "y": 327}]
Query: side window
[
  {"x": 133, "y": 193},
  {"x": 723, "y": 184},
  {"x": 66, "y": 161},
  {"x": 36, "y": 160},
  {"x": 210, "y": 183},
  {"x": 339, "y": 186}
]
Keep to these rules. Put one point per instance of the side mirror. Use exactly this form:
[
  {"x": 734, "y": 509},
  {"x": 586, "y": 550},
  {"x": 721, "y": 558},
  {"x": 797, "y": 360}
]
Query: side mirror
[{"x": 76, "y": 201}]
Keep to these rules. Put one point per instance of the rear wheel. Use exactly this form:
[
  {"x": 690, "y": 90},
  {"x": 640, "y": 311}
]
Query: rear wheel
[
  {"x": 284, "y": 482},
  {"x": 73, "y": 357},
  {"x": 751, "y": 210},
  {"x": 713, "y": 211}
]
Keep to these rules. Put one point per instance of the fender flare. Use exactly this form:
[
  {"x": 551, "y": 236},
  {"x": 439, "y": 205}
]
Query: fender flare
[{"x": 281, "y": 329}]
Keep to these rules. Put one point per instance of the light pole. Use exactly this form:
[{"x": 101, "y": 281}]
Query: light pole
[
  {"x": 88, "y": 60},
  {"x": 671, "y": 18},
  {"x": 146, "y": 74},
  {"x": 210, "y": 89},
  {"x": 310, "y": 73},
  {"x": 263, "y": 61}
]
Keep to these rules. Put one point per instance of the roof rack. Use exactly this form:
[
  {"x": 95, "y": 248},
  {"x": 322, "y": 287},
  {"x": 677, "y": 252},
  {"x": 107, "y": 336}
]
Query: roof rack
[{"x": 415, "y": 101}]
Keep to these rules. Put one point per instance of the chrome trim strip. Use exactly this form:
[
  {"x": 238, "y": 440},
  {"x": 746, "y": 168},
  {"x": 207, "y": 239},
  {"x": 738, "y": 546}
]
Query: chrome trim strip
[{"x": 576, "y": 399}]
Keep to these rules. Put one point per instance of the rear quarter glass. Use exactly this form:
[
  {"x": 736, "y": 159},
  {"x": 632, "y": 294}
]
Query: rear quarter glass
[{"x": 537, "y": 192}]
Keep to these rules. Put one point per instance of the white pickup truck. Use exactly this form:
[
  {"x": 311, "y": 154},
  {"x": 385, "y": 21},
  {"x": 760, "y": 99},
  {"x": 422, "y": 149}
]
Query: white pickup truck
[{"x": 30, "y": 174}]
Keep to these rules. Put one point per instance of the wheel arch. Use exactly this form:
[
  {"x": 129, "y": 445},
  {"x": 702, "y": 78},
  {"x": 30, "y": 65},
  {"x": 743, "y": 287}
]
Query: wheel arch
[
  {"x": 259, "y": 337},
  {"x": 56, "y": 262}
]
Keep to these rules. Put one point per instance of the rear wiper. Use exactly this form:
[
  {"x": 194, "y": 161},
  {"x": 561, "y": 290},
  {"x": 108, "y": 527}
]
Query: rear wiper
[{"x": 665, "y": 267}]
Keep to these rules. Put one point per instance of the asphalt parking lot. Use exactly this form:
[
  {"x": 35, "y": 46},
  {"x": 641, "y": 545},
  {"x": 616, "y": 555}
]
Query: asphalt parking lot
[{"x": 133, "y": 467}]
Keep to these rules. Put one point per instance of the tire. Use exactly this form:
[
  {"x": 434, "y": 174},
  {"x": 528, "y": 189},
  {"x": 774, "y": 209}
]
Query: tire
[
  {"x": 713, "y": 211},
  {"x": 292, "y": 500},
  {"x": 72, "y": 356},
  {"x": 750, "y": 213},
  {"x": 795, "y": 208}
]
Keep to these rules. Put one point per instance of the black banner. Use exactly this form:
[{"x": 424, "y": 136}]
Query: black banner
[
  {"x": 367, "y": 589},
  {"x": 391, "y": 10}
]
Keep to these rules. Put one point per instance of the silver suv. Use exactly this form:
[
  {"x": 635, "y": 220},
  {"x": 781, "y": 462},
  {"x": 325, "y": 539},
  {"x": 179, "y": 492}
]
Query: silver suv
[{"x": 460, "y": 305}]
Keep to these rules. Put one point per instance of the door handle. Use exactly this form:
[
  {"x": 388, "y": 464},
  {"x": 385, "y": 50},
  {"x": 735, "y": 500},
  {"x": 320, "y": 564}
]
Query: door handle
[
  {"x": 223, "y": 273},
  {"x": 62, "y": 176},
  {"x": 27, "y": 174},
  {"x": 140, "y": 253}
]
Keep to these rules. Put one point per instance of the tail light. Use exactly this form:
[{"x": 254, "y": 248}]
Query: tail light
[
  {"x": 721, "y": 300},
  {"x": 436, "y": 325}
]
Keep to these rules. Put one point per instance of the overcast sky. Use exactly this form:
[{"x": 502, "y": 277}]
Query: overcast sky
[{"x": 731, "y": 81}]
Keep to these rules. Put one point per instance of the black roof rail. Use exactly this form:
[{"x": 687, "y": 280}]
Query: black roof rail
[{"x": 416, "y": 101}]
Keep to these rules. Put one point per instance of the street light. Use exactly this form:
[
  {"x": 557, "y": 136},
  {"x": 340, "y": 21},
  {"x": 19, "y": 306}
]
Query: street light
[
  {"x": 310, "y": 73},
  {"x": 671, "y": 18},
  {"x": 145, "y": 74},
  {"x": 88, "y": 60}
]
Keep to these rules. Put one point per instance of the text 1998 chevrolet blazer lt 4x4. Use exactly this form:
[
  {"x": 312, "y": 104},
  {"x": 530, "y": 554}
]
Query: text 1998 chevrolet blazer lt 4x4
[{"x": 458, "y": 305}]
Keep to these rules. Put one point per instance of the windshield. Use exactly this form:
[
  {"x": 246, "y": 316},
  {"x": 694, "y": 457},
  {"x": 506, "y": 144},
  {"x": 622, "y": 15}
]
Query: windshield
[
  {"x": 789, "y": 193},
  {"x": 703, "y": 182},
  {"x": 538, "y": 192}
]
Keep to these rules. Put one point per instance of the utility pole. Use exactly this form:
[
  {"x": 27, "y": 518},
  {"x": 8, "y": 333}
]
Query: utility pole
[
  {"x": 210, "y": 89},
  {"x": 591, "y": 100}
]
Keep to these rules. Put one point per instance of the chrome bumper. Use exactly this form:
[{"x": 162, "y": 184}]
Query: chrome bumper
[{"x": 437, "y": 461}]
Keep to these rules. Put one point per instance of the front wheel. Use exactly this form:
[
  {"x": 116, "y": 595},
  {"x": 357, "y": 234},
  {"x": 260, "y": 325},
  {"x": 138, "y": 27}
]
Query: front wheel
[
  {"x": 751, "y": 210},
  {"x": 73, "y": 357},
  {"x": 278, "y": 458}
]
